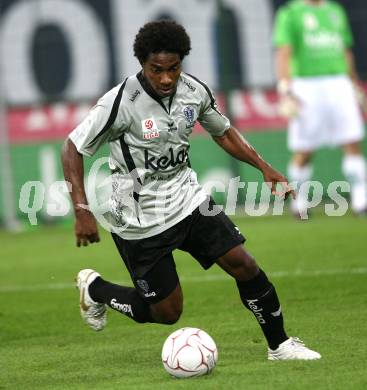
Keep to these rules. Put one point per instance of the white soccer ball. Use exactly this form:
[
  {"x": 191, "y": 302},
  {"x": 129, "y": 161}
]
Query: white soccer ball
[{"x": 189, "y": 352}]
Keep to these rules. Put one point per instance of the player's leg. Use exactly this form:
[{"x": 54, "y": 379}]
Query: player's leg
[
  {"x": 300, "y": 171},
  {"x": 348, "y": 132},
  {"x": 169, "y": 309},
  {"x": 223, "y": 245},
  {"x": 306, "y": 133},
  {"x": 257, "y": 293},
  {"x": 96, "y": 294},
  {"x": 355, "y": 170},
  {"x": 153, "y": 298},
  {"x": 128, "y": 301},
  {"x": 156, "y": 295},
  {"x": 259, "y": 296}
]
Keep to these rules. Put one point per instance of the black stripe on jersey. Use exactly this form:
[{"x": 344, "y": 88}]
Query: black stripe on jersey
[
  {"x": 150, "y": 91},
  {"x": 113, "y": 114},
  {"x": 207, "y": 89},
  {"x": 131, "y": 167}
]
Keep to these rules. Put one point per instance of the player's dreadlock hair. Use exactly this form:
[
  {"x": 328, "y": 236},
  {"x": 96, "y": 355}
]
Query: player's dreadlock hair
[{"x": 162, "y": 35}]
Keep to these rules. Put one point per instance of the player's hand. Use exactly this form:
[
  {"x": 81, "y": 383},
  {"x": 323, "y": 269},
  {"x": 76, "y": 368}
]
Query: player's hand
[
  {"x": 86, "y": 231},
  {"x": 273, "y": 178},
  {"x": 361, "y": 97},
  {"x": 289, "y": 105}
]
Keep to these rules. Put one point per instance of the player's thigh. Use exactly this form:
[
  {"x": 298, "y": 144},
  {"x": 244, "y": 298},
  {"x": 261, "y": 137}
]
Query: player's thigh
[
  {"x": 347, "y": 124},
  {"x": 306, "y": 130},
  {"x": 169, "y": 309},
  {"x": 211, "y": 235},
  {"x": 160, "y": 287},
  {"x": 238, "y": 263},
  {"x": 151, "y": 267}
]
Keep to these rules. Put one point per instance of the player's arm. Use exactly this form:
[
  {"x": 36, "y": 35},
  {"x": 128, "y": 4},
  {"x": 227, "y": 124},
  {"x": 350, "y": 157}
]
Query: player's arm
[
  {"x": 86, "y": 139},
  {"x": 288, "y": 102},
  {"x": 352, "y": 71},
  {"x": 283, "y": 68},
  {"x": 283, "y": 41},
  {"x": 85, "y": 224},
  {"x": 233, "y": 143}
]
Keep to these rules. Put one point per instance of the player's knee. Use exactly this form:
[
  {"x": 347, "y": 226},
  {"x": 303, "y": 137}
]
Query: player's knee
[
  {"x": 169, "y": 316},
  {"x": 168, "y": 310},
  {"x": 301, "y": 158},
  {"x": 251, "y": 265},
  {"x": 172, "y": 317},
  {"x": 247, "y": 270},
  {"x": 239, "y": 263}
]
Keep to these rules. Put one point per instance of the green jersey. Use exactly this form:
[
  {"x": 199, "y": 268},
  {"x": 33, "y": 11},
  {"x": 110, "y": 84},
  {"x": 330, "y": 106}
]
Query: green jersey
[{"x": 317, "y": 34}]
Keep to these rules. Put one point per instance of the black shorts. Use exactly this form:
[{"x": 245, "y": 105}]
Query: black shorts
[{"x": 150, "y": 261}]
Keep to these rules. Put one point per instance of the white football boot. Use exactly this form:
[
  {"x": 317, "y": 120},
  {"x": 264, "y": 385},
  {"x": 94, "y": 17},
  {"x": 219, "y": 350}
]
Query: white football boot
[
  {"x": 93, "y": 313},
  {"x": 292, "y": 349}
]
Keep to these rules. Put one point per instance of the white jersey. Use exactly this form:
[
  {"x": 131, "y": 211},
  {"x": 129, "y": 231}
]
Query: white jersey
[{"x": 153, "y": 185}]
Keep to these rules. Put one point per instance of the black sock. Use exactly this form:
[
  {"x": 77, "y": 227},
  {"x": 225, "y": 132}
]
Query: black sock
[
  {"x": 259, "y": 296},
  {"x": 125, "y": 300}
]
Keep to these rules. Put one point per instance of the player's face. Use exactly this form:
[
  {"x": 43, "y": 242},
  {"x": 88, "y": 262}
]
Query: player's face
[{"x": 162, "y": 71}]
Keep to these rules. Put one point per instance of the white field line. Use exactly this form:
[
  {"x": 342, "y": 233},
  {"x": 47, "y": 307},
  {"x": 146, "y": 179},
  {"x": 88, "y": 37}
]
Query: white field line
[{"x": 194, "y": 279}]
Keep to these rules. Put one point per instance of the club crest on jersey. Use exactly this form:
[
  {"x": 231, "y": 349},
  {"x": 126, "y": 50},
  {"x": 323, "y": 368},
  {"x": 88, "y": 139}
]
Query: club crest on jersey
[
  {"x": 189, "y": 114},
  {"x": 150, "y": 129},
  {"x": 310, "y": 22}
]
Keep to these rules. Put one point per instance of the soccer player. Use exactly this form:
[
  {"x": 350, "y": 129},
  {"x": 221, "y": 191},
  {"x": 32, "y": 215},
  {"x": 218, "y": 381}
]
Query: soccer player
[
  {"x": 318, "y": 86},
  {"x": 147, "y": 121}
]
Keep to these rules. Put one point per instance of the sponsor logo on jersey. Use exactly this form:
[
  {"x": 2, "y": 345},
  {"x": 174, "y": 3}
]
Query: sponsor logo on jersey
[
  {"x": 172, "y": 127},
  {"x": 158, "y": 177},
  {"x": 150, "y": 129},
  {"x": 134, "y": 95},
  {"x": 189, "y": 114},
  {"x": 189, "y": 85},
  {"x": 122, "y": 307},
  {"x": 323, "y": 40},
  {"x": 164, "y": 162}
]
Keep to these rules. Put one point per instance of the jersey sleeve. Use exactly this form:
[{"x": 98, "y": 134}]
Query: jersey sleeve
[
  {"x": 100, "y": 126},
  {"x": 210, "y": 118},
  {"x": 282, "y": 31}
]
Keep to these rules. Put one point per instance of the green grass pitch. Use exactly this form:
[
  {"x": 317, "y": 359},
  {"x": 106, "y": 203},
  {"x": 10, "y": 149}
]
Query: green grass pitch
[{"x": 319, "y": 268}]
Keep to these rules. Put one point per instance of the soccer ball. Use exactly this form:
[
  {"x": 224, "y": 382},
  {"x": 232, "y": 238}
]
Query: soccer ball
[{"x": 189, "y": 352}]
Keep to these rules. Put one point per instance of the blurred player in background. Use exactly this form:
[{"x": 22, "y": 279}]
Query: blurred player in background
[
  {"x": 147, "y": 121},
  {"x": 319, "y": 91}
]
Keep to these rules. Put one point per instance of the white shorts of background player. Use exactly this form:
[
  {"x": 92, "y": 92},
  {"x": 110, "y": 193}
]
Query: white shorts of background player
[{"x": 329, "y": 113}]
